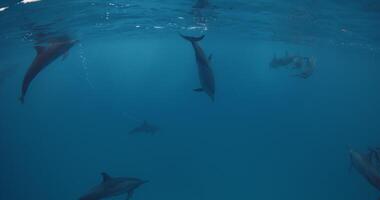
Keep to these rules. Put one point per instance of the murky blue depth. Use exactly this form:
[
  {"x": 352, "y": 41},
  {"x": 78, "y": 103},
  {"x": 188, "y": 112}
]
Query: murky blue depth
[{"x": 122, "y": 99}]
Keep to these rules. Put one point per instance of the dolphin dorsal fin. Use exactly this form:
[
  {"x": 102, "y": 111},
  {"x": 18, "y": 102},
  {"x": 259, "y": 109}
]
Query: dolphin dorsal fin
[
  {"x": 106, "y": 177},
  {"x": 210, "y": 57},
  {"x": 39, "y": 49}
]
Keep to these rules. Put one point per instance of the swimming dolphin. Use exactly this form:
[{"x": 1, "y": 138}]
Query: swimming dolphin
[
  {"x": 45, "y": 55},
  {"x": 110, "y": 187},
  {"x": 307, "y": 66},
  {"x": 280, "y": 62},
  {"x": 145, "y": 128},
  {"x": 201, "y": 4},
  {"x": 206, "y": 75},
  {"x": 363, "y": 165}
]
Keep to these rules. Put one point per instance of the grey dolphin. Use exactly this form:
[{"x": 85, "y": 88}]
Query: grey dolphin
[
  {"x": 112, "y": 186},
  {"x": 201, "y": 4},
  {"x": 280, "y": 62},
  {"x": 145, "y": 127},
  {"x": 307, "y": 66},
  {"x": 57, "y": 47},
  {"x": 206, "y": 75},
  {"x": 364, "y": 166}
]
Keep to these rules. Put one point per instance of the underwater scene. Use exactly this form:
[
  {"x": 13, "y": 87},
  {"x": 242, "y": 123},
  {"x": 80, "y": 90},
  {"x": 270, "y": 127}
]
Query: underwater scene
[{"x": 190, "y": 99}]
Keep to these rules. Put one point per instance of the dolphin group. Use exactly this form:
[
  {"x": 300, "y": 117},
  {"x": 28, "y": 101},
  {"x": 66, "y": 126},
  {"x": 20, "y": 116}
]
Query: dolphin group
[
  {"x": 113, "y": 186},
  {"x": 362, "y": 163},
  {"x": 205, "y": 73},
  {"x": 55, "y": 48},
  {"x": 145, "y": 127}
]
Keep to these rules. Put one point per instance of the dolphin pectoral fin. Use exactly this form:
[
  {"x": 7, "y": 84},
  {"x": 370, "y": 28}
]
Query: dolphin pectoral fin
[
  {"x": 39, "y": 49},
  {"x": 129, "y": 195},
  {"x": 198, "y": 90},
  {"x": 106, "y": 176},
  {"x": 210, "y": 57}
]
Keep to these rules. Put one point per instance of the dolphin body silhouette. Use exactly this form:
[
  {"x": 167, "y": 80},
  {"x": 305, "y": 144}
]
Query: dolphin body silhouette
[
  {"x": 205, "y": 73},
  {"x": 307, "y": 66},
  {"x": 282, "y": 61},
  {"x": 110, "y": 187},
  {"x": 365, "y": 167},
  {"x": 201, "y": 4},
  {"x": 145, "y": 128},
  {"x": 45, "y": 55}
]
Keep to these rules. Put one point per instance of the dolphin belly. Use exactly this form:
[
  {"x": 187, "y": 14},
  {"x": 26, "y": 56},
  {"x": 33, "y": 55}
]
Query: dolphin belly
[{"x": 206, "y": 79}]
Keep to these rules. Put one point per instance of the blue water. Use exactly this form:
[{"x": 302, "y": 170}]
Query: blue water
[{"x": 268, "y": 135}]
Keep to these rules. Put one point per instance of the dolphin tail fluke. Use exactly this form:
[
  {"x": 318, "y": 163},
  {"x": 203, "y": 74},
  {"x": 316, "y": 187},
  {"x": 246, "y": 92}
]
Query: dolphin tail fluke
[
  {"x": 21, "y": 99},
  {"x": 192, "y": 39}
]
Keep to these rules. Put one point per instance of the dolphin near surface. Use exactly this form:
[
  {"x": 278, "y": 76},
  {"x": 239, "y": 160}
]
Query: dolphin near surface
[
  {"x": 281, "y": 61},
  {"x": 201, "y": 4},
  {"x": 145, "y": 127},
  {"x": 113, "y": 186},
  {"x": 364, "y": 166},
  {"x": 56, "y": 47},
  {"x": 205, "y": 73},
  {"x": 307, "y": 66}
]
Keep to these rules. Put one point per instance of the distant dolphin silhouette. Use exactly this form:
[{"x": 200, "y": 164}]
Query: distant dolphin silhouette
[
  {"x": 280, "y": 62},
  {"x": 307, "y": 66},
  {"x": 45, "y": 55},
  {"x": 145, "y": 127},
  {"x": 206, "y": 75},
  {"x": 364, "y": 166},
  {"x": 110, "y": 187},
  {"x": 201, "y": 4}
]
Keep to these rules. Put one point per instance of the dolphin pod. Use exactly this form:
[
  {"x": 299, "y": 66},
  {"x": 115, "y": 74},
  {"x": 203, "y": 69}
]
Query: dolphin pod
[
  {"x": 55, "y": 48},
  {"x": 205, "y": 73},
  {"x": 113, "y": 186}
]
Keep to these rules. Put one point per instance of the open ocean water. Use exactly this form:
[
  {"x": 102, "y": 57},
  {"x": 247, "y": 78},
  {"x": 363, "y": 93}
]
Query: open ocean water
[{"x": 273, "y": 103}]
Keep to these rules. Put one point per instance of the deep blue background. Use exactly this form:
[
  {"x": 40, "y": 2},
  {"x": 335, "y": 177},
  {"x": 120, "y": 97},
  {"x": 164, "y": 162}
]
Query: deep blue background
[{"x": 267, "y": 135}]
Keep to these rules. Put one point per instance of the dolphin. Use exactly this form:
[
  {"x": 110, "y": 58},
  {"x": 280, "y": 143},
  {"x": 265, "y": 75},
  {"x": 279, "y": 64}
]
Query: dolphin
[
  {"x": 201, "y": 4},
  {"x": 307, "y": 66},
  {"x": 205, "y": 73},
  {"x": 284, "y": 61},
  {"x": 145, "y": 127},
  {"x": 56, "y": 47},
  {"x": 363, "y": 165},
  {"x": 112, "y": 186}
]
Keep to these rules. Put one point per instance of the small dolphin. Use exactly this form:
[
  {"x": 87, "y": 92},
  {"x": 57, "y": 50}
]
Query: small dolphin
[
  {"x": 145, "y": 127},
  {"x": 307, "y": 66},
  {"x": 201, "y": 4},
  {"x": 111, "y": 187},
  {"x": 364, "y": 166},
  {"x": 45, "y": 55},
  {"x": 206, "y": 75},
  {"x": 280, "y": 62}
]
